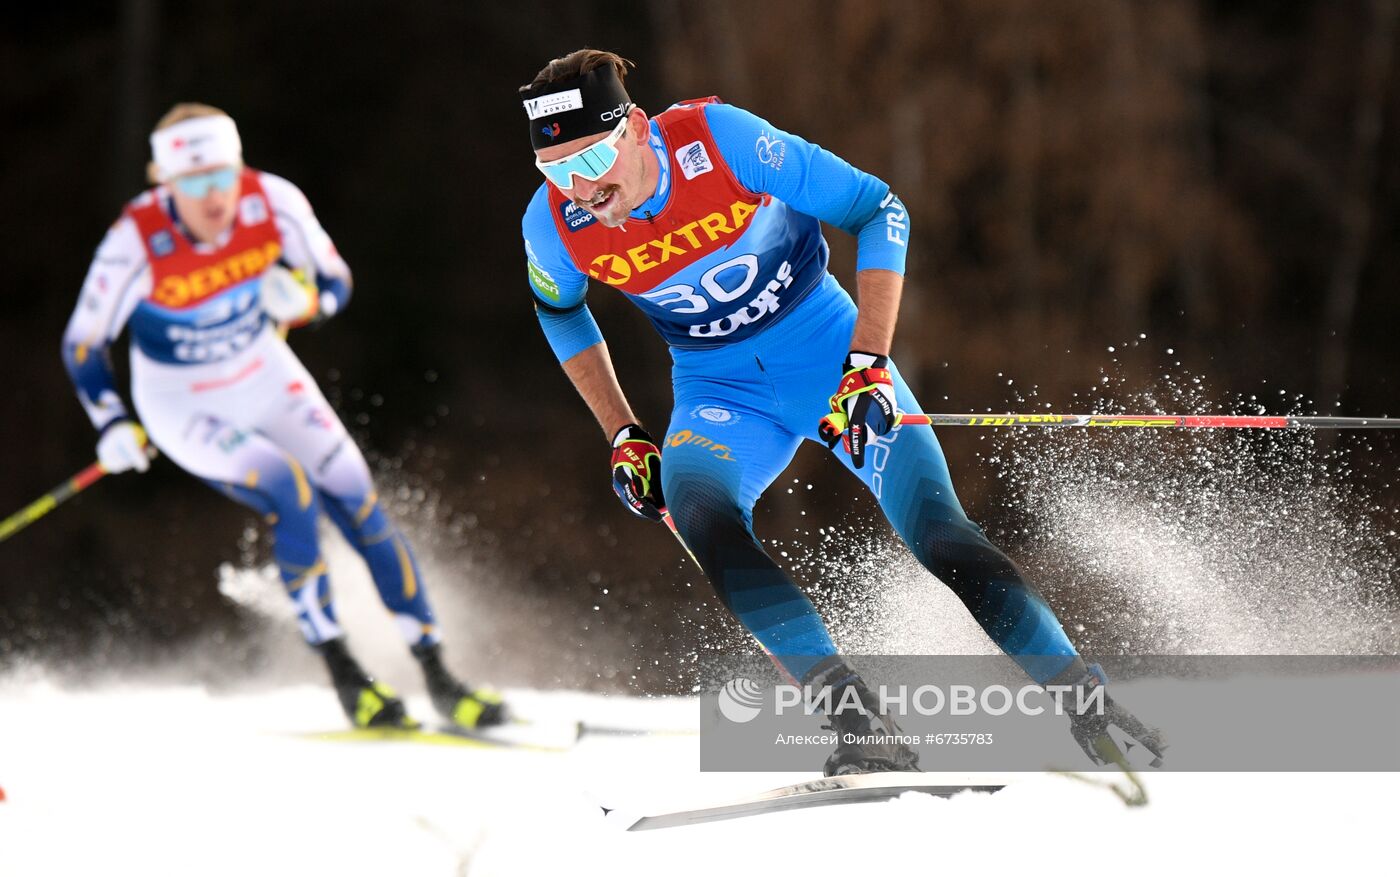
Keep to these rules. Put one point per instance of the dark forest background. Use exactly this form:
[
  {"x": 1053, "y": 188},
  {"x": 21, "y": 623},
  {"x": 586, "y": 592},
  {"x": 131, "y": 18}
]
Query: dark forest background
[{"x": 1219, "y": 177}]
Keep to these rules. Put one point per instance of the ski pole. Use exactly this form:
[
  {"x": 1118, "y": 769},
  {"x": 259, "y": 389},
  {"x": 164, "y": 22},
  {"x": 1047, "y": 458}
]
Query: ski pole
[
  {"x": 1151, "y": 421},
  {"x": 671, "y": 525},
  {"x": 65, "y": 491}
]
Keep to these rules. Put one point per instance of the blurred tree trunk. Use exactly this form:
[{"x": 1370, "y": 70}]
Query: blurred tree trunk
[
  {"x": 1340, "y": 304},
  {"x": 1127, "y": 101},
  {"x": 907, "y": 119},
  {"x": 1023, "y": 157},
  {"x": 664, "y": 16},
  {"x": 139, "y": 21},
  {"x": 1194, "y": 265},
  {"x": 731, "y": 52}
]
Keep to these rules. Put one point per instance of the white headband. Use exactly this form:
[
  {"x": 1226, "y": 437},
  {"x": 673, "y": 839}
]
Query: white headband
[{"x": 204, "y": 141}]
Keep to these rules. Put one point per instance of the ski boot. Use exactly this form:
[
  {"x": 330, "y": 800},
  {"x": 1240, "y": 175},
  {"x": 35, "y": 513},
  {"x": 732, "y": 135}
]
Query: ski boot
[
  {"x": 465, "y": 707},
  {"x": 1090, "y": 729},
  {"x": 368, "y": 702},
  {"x": 864, "y": 721}
]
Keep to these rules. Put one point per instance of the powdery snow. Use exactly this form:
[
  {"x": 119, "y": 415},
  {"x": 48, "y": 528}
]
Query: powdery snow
[{"x": 171, "y": 780}]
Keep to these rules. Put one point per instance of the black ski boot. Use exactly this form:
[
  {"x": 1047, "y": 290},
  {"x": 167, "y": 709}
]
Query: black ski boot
[
  {"x": 465, "y": 707},
  {"x": 859, "y": 728},
  {"x": 1090, "y": 729},
  {"x": 368, "y": 702}
]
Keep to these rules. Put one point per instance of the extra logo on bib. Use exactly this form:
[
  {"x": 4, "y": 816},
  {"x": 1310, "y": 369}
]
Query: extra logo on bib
[{"x": 694, "y": 160}]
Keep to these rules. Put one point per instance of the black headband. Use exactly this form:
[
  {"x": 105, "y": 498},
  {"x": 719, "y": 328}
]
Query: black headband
[{"x": 571, "y": 108}]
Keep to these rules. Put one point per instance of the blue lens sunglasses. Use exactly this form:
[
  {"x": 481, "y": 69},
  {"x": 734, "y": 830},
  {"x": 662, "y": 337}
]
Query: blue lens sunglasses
[
  {"x": 591, "y": 162},
  {"x": 198, "y": 185}
]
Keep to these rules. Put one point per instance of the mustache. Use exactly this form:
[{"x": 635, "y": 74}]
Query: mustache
[{"x": 600, "y": 195}]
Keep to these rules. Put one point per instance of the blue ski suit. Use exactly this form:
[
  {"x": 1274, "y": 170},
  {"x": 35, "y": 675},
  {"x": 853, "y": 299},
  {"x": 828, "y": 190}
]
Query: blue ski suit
[{"x": 730, "y": 265}]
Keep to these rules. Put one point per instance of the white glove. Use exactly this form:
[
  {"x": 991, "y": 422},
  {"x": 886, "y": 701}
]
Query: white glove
[
  {"x": 122, "y": 447},
  {"x": 286, "y": 299}
]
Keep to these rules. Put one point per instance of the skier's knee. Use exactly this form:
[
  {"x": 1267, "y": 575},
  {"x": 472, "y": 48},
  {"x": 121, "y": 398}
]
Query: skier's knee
[
  {"x": 359, "y": 516},
  {"x": 955, "y": 549},
  {"x": 277, "y": 488},
  {"x": 706, "y": 514},
  {"x": 289, "y": 492}
]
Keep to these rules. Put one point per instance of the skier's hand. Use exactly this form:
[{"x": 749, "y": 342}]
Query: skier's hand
[
  {"x": 288, "y": 298},
  {"x": 122, "y": 446},
  {"x": 636, "y": 472},
  {"x": 863, "y": 404}
]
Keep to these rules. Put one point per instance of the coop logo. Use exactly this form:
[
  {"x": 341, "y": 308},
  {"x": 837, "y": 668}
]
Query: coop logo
[
  {"x": 740, "y": 700},
  {"x": 575, "y": 217},
  {"x": 765, "y": 303},
  {"x": 717, "y": 416},
  {"x": 685, "y": 245}
]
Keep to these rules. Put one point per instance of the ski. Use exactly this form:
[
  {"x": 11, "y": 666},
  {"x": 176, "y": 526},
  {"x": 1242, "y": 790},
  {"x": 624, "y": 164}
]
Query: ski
[
  {"x": 526, "y": 734},
  {"x": 520, "y": 735},
  {"x": 853, "y": 789}
]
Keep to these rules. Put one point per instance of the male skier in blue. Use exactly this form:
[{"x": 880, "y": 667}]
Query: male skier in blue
[{"x": 707, "y": 217}]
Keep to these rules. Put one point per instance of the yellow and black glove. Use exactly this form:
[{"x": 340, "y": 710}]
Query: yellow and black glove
[
  {"x": 863, "y": 404},
  {"x": 636, "y": 472}
]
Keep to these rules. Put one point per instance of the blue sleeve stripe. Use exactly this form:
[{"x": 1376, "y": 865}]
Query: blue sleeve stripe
[{"x": 569, "y": 332}]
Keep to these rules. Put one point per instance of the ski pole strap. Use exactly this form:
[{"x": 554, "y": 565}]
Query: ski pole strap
[
  {"x": 1151, "y": 421},
  {"x": 857, "y": 381}
]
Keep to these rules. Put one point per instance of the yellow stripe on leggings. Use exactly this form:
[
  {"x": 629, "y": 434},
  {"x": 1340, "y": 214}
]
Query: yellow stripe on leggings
[
  {"x": 410, "y": 581},
  {"x": 313, "y": 571},
  {"x": 303, "y": 486},
  {"x": 367, "y": 509}
]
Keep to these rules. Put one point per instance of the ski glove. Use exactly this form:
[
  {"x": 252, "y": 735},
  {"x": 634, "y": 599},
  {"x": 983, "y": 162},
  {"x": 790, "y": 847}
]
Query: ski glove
[
  {"x": 636, "y": 471},
  {"x": 863, "y": 404},
  {"x": 288, "y": 298},
  {"x": 122, "y": 446}
]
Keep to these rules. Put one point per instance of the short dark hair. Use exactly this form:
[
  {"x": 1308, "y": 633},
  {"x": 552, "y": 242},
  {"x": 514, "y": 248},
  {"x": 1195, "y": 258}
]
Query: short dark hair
[{"x": 576, "y": 64}]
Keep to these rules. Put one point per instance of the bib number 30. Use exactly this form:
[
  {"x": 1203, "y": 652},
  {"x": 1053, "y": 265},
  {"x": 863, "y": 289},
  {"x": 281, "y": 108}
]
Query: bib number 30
[{"x": 741, "y": 272}]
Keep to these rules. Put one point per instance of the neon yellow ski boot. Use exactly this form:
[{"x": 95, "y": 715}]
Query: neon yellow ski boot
[
  {"x": 368, "y": 702},
  {"x": 465, "y": 707}
]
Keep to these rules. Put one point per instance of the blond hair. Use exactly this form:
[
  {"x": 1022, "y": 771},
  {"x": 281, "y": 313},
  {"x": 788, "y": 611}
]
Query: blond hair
[{"x": 173, "y": 116}]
